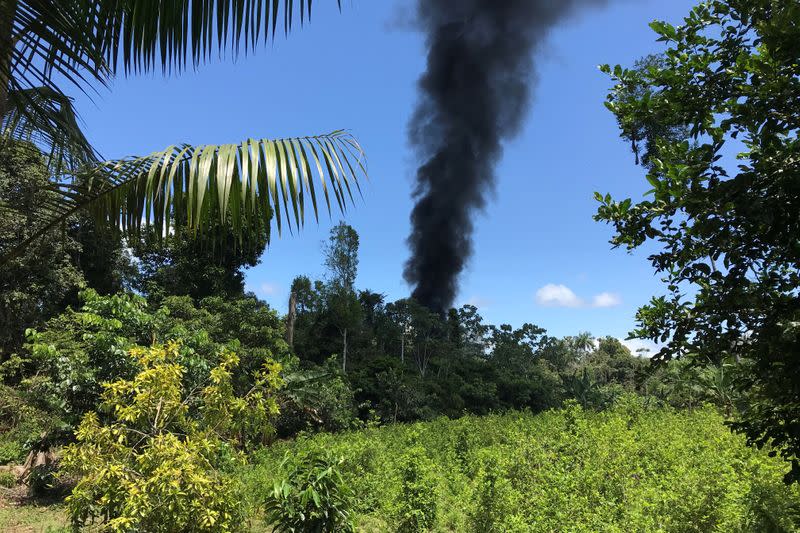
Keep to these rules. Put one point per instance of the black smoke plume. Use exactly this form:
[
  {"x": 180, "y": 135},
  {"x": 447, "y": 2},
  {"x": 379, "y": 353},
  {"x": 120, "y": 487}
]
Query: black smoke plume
[{"x": 473, "y": 96}]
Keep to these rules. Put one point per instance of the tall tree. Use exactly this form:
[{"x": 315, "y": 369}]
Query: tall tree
[
  {"x": 473, "y": 332},
  {"x": 45, "y": 277},
  {"x": 426, "y": 328},
  {"x": 37, "y": 283},
  {"x": 399, "y": 325},
  {"x": 727, "y": 227},
  {"x": 341, "y": 260},
  {"x": 47, "y": 47},
  {"x": 291, "y": 317},
  {"x": 184, "y": 264},
  {"x": 105, "y": 260},
  {"x": 341, "y": 256},
  {"x": 644, "y": 130},
  {"x": 345, "y": 313}
]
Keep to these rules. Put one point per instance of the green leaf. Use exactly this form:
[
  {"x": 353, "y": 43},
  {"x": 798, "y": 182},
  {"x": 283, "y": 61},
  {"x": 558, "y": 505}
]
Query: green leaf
[{"x": 133, "y": 193}]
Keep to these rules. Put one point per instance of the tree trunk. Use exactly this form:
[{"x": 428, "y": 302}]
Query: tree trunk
[
  {"x": 344, "y": 352},
  {"x": 7, "y": 11},
  {"x": 290, "y": 318},
  {"x": 403, "y": 348}
]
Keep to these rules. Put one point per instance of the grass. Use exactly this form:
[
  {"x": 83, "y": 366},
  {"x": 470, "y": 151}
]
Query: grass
[{"x": 19, "y": 517}]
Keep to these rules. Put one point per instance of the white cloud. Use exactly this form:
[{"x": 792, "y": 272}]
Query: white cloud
[
  {"x": 641, "y": 347},
  {"x": 263, "y": 289},
  {"x": 558, "y": 295},
  {"x": 606, "y": 299},
  {"x": 267, "y": 289},
  {"x": 479, "y": 302},
  {"x": 552, "y": 295}
]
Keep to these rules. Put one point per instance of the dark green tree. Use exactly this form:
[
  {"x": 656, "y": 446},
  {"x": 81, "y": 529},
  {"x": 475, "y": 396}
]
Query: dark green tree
[
  {"x": 185, "y": 264},
  {"x": 313, "y": 338},
  {"x": 723, "y": 215},
  {"x": 107, "y": 265},
  {"x": 341, "y": 256},
  {"x": 341, "y": 260},
  {"x": 613, "y": 362},
  {"x": 45, "y": 276},
  {"x": 517, "y": 349},
  {"x": 41, "y": 280},
  {"x": 307, "y": 297}
]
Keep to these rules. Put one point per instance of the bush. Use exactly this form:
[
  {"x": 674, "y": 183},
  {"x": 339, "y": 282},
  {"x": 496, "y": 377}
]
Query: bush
[
  {"x": 43, "y": 481},
  {"x": 417, "y": 505},
  {"x": 69, "y": 359},
  {"x": 312, "y": 497},
  {"x": 7, "y": 479},
  {"x": 497, "y": 503},
  {"x": 315, "y": 400},
  {"x": 163, "y": 462},
  {"x": 22, "y": 425}
]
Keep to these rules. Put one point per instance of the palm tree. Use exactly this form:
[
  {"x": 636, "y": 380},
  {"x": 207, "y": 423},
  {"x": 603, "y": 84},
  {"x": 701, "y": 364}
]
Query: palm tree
[{"x": 46, "y": 46}]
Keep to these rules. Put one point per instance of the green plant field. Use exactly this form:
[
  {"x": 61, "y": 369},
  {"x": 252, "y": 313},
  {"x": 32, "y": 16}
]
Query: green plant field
[{"x": 626, "y": 469}]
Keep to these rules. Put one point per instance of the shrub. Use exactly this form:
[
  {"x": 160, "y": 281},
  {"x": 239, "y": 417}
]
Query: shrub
[
  {"x": 22, "y": 425},
  {"x": 163, "y": 462},
  {"x": 65, "y": 363},
  {"x": 417, "y": 506},
  {"x": 316, "y": 399},
  {"x": 11, "y": 450},
  {"x": 43, "y": 481},
  {"x": 7, "y": 479},
  {"x": 496, "y": 501},
  {"x": 312, "y": 497}
]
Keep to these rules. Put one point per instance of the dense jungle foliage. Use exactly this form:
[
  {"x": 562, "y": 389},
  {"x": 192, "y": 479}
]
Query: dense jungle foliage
[
  {"x": 131, "y": 382},
  {"x": 143, "y": 388}
]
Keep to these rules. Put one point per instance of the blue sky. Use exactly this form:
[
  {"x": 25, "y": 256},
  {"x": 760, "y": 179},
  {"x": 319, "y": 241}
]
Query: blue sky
[{"x": 539, "y": 256}]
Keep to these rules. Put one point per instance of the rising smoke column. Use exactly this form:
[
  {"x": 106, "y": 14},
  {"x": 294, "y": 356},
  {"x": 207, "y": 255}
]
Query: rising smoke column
[{"x": 473, "y": 96}]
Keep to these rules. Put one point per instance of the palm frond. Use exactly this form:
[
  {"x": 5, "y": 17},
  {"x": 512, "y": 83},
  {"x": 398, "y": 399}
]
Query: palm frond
[
  {"x": 48, "y": 119},
  {"x": 43, "y": 46},
  {"x": 90, "y": 40},
  {"x": 203, "y": 188},
  {"x": 142, "y": 35},
  {"x": 46, "y": 45}
]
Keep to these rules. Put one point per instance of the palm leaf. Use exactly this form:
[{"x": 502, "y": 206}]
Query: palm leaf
[
  {"x": 202, "y": 189},
  {"x": 47, "y": 118},
  {"x": 45, "y": 40},
  {"x": 90, "y": 40},
  {"x": 45, "y": 45},
  {"x": 141, "y": 35}
]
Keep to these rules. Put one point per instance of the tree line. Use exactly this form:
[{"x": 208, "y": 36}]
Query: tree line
[{"x": 349, "y": 356}]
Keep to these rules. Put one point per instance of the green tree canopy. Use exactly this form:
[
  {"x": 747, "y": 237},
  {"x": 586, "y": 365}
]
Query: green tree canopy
[
  {"x": 38, "y": 282},
  {"x": 188, "y": 265},
  {"x": 341, "y": 256},
  {"x": 726, "y": 233}
]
